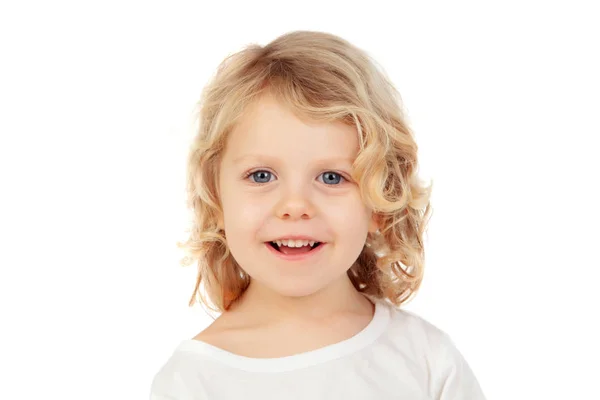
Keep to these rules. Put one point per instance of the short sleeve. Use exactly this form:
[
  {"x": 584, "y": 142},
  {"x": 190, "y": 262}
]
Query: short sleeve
[{"x": 455, "y": 379}]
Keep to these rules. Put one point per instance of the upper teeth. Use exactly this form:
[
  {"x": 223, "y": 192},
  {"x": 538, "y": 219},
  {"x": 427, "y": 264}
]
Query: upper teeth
[{"x": 295, "y": 243}]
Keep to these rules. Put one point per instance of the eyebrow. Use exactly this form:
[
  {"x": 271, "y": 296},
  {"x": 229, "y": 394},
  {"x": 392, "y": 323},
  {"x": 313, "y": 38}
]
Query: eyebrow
[{"x": 274, "y": 160}]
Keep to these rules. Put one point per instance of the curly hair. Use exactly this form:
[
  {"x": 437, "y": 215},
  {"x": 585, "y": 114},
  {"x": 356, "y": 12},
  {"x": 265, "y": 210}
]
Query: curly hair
[{"x": 325, "y": 78}]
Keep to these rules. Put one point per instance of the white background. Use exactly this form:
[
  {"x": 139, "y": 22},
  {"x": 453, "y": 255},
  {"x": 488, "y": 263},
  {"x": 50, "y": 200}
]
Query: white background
[{"x": 96, "y": 115}]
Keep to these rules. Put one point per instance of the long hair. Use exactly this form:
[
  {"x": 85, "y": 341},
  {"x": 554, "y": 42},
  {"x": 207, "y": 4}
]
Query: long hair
[{"x": 322, "y": 77}]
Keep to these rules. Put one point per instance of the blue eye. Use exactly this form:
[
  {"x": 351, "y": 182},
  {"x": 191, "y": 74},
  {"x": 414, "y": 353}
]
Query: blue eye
[
  {"x": 331, "y": 177},
  {"x": 262, "y": 176}
]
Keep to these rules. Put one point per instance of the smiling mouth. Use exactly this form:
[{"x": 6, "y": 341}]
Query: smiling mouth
[{"x": 294, "y": 250}]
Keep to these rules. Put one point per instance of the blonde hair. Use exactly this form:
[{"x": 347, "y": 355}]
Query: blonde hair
[{"x": 325, "y": 78}]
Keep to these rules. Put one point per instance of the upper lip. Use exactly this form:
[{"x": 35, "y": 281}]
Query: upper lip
[{"x": 297, "y": 237}]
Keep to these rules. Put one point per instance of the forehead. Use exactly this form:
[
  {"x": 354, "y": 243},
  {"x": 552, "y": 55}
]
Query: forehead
[{"x": 270, "y": 129}]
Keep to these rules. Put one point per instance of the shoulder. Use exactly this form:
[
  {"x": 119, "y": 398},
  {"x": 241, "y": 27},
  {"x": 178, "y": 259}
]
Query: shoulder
[
  {"x": 188, "y": 370},
  {"x": 412, "y": 326},
  {"x": 226, "y": 333},
  {"x": 166, "y": 382},
  {"x": 450, "y": 374},
  {"x": 182, "y": 376},
  {"x": 422, "y": 334}
]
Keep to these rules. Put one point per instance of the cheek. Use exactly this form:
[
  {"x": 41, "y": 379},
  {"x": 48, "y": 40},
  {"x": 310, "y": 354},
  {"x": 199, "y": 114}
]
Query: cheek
[
  {"x": 349, "y": 219},
  {"x": 243, "y": 215},
  {"x": 348, "y": 212}
]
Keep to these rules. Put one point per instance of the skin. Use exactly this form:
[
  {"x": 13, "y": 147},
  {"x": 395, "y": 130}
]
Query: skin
[{"x": 300, "y": 184}]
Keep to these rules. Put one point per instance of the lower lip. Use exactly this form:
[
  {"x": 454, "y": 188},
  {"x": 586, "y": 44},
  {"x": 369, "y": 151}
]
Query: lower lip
[{"x": 295, "y": 257}]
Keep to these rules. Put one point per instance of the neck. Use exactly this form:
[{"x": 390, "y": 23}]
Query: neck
[{"x": 259, "y": 303}]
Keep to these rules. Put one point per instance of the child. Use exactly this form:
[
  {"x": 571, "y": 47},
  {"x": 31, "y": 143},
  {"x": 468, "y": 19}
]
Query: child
[{"x": 307, "y": 212}]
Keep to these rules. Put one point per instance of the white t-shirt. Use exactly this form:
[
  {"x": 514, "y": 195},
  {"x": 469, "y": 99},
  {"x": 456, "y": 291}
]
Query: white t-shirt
[{"x": 398, "y": 355}]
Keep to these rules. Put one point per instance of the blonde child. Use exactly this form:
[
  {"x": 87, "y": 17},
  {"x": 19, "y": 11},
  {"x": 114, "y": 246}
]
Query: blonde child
[{"x": 308, "y": 231}]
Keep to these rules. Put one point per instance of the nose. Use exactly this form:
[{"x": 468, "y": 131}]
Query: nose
[{"x": 294, "y": 205}]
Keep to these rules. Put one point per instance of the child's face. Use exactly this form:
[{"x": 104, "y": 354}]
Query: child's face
[{"x": 293, "y": 190}]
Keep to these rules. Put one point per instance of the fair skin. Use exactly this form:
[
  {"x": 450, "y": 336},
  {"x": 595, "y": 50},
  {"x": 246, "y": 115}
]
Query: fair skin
[{"x": 280, "y": 176}]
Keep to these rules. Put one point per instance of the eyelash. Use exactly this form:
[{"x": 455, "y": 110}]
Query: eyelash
[{"x": 250, "y": 173}]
